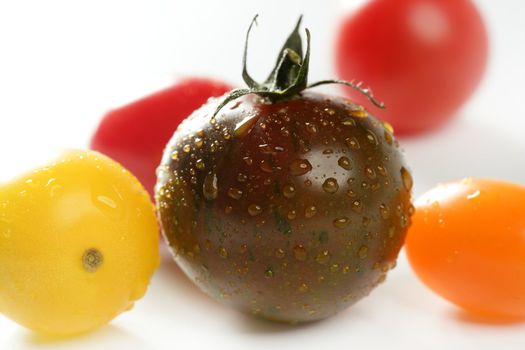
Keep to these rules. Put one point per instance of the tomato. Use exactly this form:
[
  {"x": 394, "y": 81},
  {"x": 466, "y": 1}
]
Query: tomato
[
  {"x": 422, "y": 58},
  {"x": 467, "y": 243},
  {"x": 284, "y": 203},
  {"x": 136, "y": 134},
  {"x": 78, "y": 244}
]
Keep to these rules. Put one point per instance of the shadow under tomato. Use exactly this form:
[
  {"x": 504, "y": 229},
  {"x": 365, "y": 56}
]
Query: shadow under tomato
[
  {"x": 255, "y": 325},
  {"x": 177, "y": 280},
  {"x": 118, "y": 337},
  {"x": 485, "y": 319}
]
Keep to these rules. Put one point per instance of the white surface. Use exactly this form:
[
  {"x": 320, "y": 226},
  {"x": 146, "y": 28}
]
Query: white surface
[{"x": 63, "y": 63}]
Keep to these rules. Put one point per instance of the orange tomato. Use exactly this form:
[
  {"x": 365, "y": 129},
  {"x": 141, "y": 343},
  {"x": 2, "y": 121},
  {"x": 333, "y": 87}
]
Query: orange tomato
[{"x": 467, "y": 243}]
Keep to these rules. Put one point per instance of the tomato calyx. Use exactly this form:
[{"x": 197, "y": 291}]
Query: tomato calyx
[{"x": 289, "y": 76}]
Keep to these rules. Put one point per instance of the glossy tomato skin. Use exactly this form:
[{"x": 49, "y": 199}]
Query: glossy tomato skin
[
  {"x": 423, "y": 58},
  {"x": 291, "y": 211},
  {"x": 135, "y": 134},
  {"x": 467, "y": 243}
]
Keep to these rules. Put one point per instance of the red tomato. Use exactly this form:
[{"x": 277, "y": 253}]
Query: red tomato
[
  {"x": 135, "y": 135},
  {"x": 422, "y": 58},
  {"x": 467, "y": 243}
]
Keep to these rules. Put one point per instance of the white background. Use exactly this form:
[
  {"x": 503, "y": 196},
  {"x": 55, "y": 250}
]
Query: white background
[{"x": 64, "y": 63}]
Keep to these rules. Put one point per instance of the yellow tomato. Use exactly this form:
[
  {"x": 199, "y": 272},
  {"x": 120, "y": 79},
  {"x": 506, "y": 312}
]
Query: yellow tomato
[{"x": 78, "y": 244}]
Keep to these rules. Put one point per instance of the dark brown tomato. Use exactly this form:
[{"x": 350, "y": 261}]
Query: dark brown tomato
[{"x": 291, "y": 211}]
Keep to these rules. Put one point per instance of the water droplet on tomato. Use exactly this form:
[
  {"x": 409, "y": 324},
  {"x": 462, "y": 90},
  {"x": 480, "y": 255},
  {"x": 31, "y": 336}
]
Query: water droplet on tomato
[
  {"x": 344, "y": 163},
  {"x": 300, "y": 167},
  {"x": 362, "y": 252},
  {"x": 407, "y": 179},
  {"x": 254, "y": 209},
  {"x": 384, "y": 211},
  {"x": 323, "y": 257},
  {"x": 223, "y": 253},
  {"x": 330, "y": 185},
  {"x": 310, "y": 211},
  {"x": 234, "y": 193},
  {"x": 299, "y": 252},
  {"x": 341, "y": 222},
  {"x": 209, "y": 186},
  {"x": 352, "y": 143},
  {"x": 289, "y": 191}
]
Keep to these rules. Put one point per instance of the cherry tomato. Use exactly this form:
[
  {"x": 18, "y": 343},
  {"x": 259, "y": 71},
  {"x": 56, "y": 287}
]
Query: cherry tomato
[
  {"x": 284, "y": 203},
  {"x": 467, "y": 243},
  {"x": 78, "y": 244},
  {"x": 135, "y": 134},
  {"x": 422, "y": 58}
]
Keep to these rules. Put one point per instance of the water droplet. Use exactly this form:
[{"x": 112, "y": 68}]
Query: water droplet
[
  {"x": 404, "y": 221},
  {"x": 381, "y": 169},
  {"x": 341, "y": 222},
  {"x": 175, "y": 156},
  {"x": 248, "y": 160},
  {"x": 209, "y": 187},
  {"x": 186, "y": 148},
  {"x": 358, "y": 113},
  {"x": 269, "y": 149},
  {"x": 310, "y": 211},
  {"x": 311, "y": 128},
  {"x": 266, "y": 166},
  {"x": 292, "y": 214},
  {"x": 370, "y": 173},
  {"x": 241, "y": 177},
  {"x": 351, "y": 193},
  {"x": 348, "y": 122},
  {"x": 268, "y": 273},
  {"x": 352, "y": 143},
  {"x": 223, "y": 253},
  {"x": 228, "y": 209},
  {"x": 303, "y": 288},
  {"x": 384, "y": 211},
  {"x": 254, "y": 209},
  {"x": 226, "y": 134},
  {"x": 199, "y": 164},
  {"x": 280, "y": 253},
  {"x": 198, "y": 142},
  {"x": 388, "y": 127},
  {"x": 388, "y": 137},
  {"x": 362, "y": 252},
  {"x": 371, "y": 137},
  {"x": 244, "y": 126},
  {"x": 407, "y": 179},
  {"x": 344, "y": 163},
  {"x": 234, "y": 193},
  {"x": 107, "y": 201},
  {"x": 289, "y": 190},
  {"x": 328, "y": 151},
  {"x": 330, "y": 185},
  {"x": 300, "y": 167},
  {"x": 299, "y": 252},
  {"x": 323, "y": 257},
  {"x": 473, "y": 195},
  {"x": 330, "y": 111},
  {"x": 307, "y": 183},
  {"x": 357, "y": 206}
]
